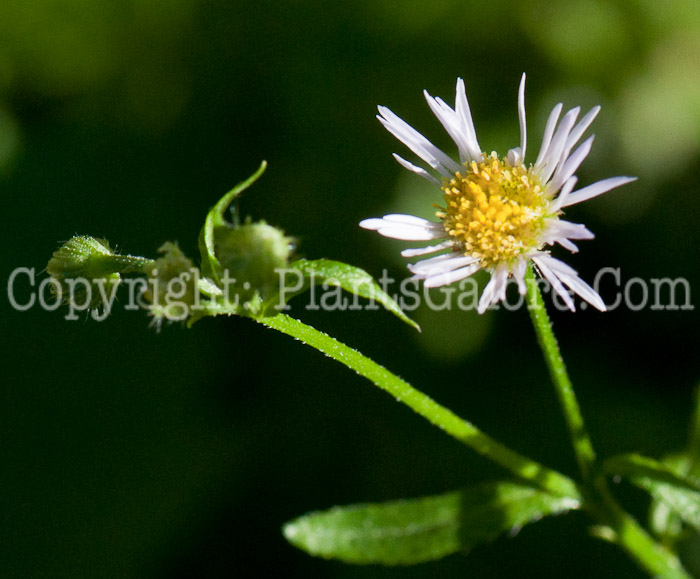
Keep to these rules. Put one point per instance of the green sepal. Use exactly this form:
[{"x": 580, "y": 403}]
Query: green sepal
[
  {"x": 215, "y": 218},
  {"x": 407, "y": 532},
  {"x": 665, "y": 485},
  {"x": 348, "y": 277}
]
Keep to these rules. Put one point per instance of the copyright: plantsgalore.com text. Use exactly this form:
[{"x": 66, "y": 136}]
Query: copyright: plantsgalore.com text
[{"x": 25, "y": 291}]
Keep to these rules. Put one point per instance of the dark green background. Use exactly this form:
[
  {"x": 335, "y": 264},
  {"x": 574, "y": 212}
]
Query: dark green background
[{"x": 131, "y": 453}]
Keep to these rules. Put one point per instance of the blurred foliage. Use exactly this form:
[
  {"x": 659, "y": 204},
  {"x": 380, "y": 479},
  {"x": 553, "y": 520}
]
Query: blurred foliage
[{"x": 134, "y": 454}]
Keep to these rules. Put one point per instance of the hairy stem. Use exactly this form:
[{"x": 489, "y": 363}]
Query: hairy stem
[
  {"x": 585, "y": 455},
  {"x": 525, "y": 468}
]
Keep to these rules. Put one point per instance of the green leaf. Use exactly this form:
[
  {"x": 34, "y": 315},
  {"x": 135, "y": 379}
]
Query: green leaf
[
  {"x": 679, "y": 493},
  {"x": 407, "y": 532},
  {"x": 665, "y": 521},
  {"x": 350, "y": 278},
  {"x": 693, "y": 451},
  {"x": 215, "y": 218}
]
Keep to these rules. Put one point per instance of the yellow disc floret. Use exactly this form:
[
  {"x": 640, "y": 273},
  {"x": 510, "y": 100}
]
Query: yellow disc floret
[{"x": 494, "y": 211}]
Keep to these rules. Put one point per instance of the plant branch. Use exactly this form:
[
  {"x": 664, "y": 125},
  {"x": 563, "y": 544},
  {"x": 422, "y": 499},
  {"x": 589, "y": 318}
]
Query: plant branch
[
  {"x": 585, "y": 455},
  {"x": 525, "y": 468}
]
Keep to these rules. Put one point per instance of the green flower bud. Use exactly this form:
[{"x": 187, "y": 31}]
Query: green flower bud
[
  {"x": 250, "y": 254},
  {"x": 80, "y": 256},
  {"x": 87, "y": 270},
  {"x": 172, "y": 285}
]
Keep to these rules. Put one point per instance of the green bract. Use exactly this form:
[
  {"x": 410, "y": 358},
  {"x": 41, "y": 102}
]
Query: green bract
[{"x": 242, "y": 260}]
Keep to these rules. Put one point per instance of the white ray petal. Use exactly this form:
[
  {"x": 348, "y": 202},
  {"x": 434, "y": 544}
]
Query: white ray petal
[
  {"x": 566, "y": 244},
  {"x": 580, "y": 128},
  {"x": 441, "y": 264},
  {"x": 431, "y": 261},
  {"x": 464, "y": 113},
  {"x": 487, "y": 295},
  {"x": 563, "y": 228},
  {"x": 451, "y": 123},
  {"x": 567, "y": 170},
  {"x": 412, "y": 220},
  {"x": 569, "y": 276},
  {"x": 417, "y": 142},
  {"x": 515, "y": 156},
  {"x": 449, "y": 277},
  {"x": 548, "y": 132},
  {"x": 373, "y": 223},
  {"x": 521, "y": 117},
  {"x": 579, "y": 286},
  {"x": 519, "y": 271},
  {"x": 571, "y": 141},
  {"x": 554, "y": 152},
  {"x": 426, "y": 250},
  {"x": 501, "y": 274},
  {"x": 416, "y": 147},
  {"x": 556, "y": 265},
  {"x": 596, "y": 189},
  {"x": 417, "y": 170},
  {"x": 495, "y": 289},
  {"x": 408, "y": 233},
  {"x": 541, "y": 262},
  {"x": 405, "y": 227},
  {"x": 563, "y": 194},
  {"x": 562, "y": 232}
]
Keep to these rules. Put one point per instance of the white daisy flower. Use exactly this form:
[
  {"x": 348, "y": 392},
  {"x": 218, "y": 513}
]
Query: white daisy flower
[{"x": 498, "y": 213}]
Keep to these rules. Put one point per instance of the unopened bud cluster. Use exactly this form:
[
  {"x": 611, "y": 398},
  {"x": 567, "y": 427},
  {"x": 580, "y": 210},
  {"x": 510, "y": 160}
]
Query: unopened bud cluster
[
  {"x": 172, "y": 289},
  {"x": 238, "y": 272}
]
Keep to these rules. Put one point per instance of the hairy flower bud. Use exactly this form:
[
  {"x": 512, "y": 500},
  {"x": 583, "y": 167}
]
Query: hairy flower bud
[
  {"x": 172, "y": 285},
  {"x": 88, "y": 271},
  {"x": 81, "y": 266},
  {"x": 250, "y": 254}
]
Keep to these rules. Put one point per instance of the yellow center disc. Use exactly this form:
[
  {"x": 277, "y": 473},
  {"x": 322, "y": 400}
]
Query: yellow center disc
[{"x": 494, "y": 211}]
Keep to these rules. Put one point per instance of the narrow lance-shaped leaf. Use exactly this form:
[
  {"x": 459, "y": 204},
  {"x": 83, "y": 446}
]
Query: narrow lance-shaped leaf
[
  {"x": 679, "y": 493},
  {"x": 407, "y": 532},
  {"x": 350, "y": 278}
]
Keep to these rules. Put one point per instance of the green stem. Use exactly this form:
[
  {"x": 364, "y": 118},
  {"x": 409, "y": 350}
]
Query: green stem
[
  {"x": 630, "y": 536},
  {"x": 585, "y": 455},
  {"x": 650, "y": 555},
  {"x": 128, "y": 263},
  {"x": 599, "y": 502},
  {"x": 541, "y": 476}
]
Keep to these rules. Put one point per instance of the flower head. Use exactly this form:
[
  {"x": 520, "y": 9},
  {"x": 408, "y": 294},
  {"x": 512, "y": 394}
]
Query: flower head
[{"x": 499, "y": 214}]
